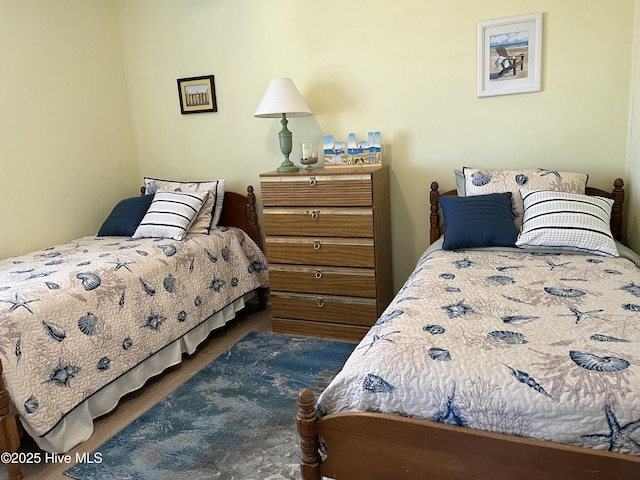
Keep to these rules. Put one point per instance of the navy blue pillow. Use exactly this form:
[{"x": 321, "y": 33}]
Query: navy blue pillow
[
  {"x": 478, "y": 221},
  {"x": 126, "y": 216}
]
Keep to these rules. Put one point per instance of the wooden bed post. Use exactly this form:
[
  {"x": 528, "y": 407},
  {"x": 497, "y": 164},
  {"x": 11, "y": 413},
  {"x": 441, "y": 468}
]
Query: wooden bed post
[
  {"x": 616, "y": 211},
  {"x": 434, "y": 218},
  {"x": 252, "y": 215},
  {"x": 306, "y": 419},
  {"x": 252, "y": 218},
  {"x": 9, "y": 435}
]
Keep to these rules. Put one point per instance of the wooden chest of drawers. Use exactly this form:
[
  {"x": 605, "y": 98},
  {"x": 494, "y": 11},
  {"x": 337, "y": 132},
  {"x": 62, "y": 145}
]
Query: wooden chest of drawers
[{"x": 328, "y": 242}]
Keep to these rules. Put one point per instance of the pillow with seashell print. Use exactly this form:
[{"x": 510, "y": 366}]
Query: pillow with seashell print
[
  {"x": 481, "y": 181},
  {"x": 209, "y": 215}
]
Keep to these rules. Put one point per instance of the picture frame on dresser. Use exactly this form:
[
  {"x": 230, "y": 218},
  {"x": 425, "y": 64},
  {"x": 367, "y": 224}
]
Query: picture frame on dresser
[
  {"x": 352, "y": 153},
  {"x": 329, "y": 255}
]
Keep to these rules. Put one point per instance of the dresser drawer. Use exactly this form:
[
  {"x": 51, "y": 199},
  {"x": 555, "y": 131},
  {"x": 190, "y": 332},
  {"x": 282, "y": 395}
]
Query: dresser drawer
[
  {"x": 356, "y": 282},
  {"x": 334, "y": 309},
  {"x": 326, "y": 222},
  {"x": 351, "y": 333},
  {"x": 321, "y": 190},
  {"x": 348, "y": 252}
]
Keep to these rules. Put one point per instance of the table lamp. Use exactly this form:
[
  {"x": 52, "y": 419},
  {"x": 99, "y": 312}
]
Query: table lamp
[{"x": 282, "y": 98}]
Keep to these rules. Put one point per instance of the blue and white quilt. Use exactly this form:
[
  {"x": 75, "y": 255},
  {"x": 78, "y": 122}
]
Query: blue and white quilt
[
  {"x": 75, "y": 317},
  {"x": 536, "y": 345}
]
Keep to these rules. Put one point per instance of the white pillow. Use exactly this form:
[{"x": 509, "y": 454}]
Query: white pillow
[
  {"x": 170, "y": 214},
  {"x": 209, "y": 215},
  {"x": 460, "y": 187},
  {"x": 567, "y": 221}
]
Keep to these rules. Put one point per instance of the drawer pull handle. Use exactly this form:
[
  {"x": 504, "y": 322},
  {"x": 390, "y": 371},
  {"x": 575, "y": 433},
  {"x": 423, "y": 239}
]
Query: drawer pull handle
[
  {"x": 320, "y": 303},
  {"x": 315, "y": 215},
  {"x": 316, "y": 245},
  {"x": 318, "y": 274},
  {"x": 312, "y": 181}
]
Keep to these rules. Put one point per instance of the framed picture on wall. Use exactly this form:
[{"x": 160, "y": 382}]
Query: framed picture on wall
[
  {"x": 509, "y": 55},
  {"x": 197, "y": 94}
]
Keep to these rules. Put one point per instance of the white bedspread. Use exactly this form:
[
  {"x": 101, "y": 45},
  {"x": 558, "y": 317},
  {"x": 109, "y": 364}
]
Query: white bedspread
[
  {"x": 536, "y": 345},
  {"x": 77, "y": 316}
]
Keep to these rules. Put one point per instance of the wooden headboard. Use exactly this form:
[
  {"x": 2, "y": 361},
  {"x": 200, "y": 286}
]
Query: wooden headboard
[
  {"x": 437, "y": 227},
  {"x": 239, "y": 211}
]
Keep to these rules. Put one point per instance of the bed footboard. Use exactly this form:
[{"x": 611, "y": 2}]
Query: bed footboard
[
  {"x": 9, "y": 433},
  {"x": 380, "y": 446}
]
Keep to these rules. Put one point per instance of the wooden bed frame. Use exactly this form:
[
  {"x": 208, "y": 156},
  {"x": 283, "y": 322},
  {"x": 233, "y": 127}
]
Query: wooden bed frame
[
  {"x": 238, "y": 211},
  {"x": 380, "y": 446}
]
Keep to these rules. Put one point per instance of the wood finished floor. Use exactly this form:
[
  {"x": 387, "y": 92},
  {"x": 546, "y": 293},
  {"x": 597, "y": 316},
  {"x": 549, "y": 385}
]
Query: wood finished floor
[{"x": 136, "y": 403}]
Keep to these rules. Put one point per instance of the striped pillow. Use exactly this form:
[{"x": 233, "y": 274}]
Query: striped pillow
[
  {"x": 209, "y": 215},
  {"x": 567, "y": 221},
  {"x": 170, "y": 214}
]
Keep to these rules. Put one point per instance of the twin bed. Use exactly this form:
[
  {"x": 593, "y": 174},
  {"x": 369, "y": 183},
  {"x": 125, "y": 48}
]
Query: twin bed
[
  {"x": 493, "y": 361},
  {"x": 86, "y": 322}
]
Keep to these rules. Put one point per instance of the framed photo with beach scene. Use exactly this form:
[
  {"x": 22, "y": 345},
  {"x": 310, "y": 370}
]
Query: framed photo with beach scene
[
  {"x": 197, "y": 94},
  {"x": 509, "y": 55},
  {"x": 366, "y": 153}
]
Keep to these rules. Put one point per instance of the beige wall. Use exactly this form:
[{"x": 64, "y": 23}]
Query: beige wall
[
  {"x": 66, "y": 141},
  {"x": 366, "y": 65},
  {"x": 362, "y": 65}
]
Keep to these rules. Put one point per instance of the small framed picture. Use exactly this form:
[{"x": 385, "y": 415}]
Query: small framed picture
[
  {"x": 509, "y": 55},
  {"x": 197, "y": 94}
]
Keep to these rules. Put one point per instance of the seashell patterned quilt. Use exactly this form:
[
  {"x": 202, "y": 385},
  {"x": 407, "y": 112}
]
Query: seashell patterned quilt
[
  {"x": 530, "y": 344},
  {"x": 75, "y": 317}
]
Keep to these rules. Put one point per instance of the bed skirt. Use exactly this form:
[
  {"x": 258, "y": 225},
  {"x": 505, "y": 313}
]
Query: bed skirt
[{"x": 77, "y": 426}]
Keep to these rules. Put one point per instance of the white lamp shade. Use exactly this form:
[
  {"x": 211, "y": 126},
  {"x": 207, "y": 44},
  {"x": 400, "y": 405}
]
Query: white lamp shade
[{"x": 282, "y": 96}]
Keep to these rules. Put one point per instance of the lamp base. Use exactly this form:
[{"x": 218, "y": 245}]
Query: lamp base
[
  {"x": 287, "y": 165},
  {"x": 288, "y": 168}
]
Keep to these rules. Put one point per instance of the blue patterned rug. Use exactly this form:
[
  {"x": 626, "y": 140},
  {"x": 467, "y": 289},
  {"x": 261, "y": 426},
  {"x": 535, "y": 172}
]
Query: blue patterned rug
[{"x": 235, "y": 419}]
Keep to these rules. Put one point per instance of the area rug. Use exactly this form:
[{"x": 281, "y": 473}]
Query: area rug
[{"x": 235, "y": 419}]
